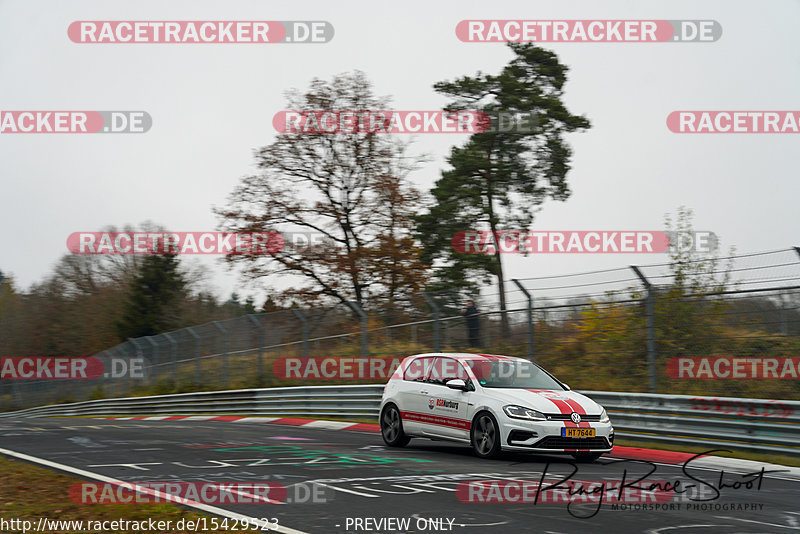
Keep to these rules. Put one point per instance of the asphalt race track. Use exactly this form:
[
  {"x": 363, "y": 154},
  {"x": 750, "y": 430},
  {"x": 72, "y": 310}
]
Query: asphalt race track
[{"x": 360, "y": 479}]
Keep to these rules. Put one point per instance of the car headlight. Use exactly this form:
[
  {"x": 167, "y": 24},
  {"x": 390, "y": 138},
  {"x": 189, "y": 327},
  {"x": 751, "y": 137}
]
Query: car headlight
[
  {"x": 604, "y": 417},
  {"x": 519, "y": 412}
]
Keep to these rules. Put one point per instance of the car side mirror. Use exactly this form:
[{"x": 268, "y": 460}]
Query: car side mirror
[{"x": 456, "y": 383}]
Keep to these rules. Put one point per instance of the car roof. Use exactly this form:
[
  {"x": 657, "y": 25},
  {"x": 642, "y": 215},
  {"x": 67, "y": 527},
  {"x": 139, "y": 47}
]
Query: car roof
[{"x": 467, "y": 356}]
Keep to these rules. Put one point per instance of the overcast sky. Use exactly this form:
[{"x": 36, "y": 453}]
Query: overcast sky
[{"x": 213, "y": 104}]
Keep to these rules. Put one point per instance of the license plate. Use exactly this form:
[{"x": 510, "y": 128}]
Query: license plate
[{"x": 577, "y": 432}]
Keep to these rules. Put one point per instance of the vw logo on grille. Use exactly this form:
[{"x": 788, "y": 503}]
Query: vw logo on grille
[{"x": 576, "y": 418}]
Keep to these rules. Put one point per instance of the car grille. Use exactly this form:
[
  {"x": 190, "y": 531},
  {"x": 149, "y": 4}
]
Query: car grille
[
  {"x": 556, "y": 442},
  {"x": 566, "y": 417}
]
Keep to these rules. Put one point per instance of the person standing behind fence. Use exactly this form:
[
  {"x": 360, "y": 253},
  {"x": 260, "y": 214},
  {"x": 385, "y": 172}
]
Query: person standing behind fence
[{"x": 470, "y": 313}]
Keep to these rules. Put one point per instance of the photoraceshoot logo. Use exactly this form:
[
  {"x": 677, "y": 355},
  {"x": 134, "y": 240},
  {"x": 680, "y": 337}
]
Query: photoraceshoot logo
[{"x": 75, "y": 122}]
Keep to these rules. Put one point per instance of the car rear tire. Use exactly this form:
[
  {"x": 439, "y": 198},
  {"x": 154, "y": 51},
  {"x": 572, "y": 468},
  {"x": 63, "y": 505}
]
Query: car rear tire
[
  {"x": 485, "y": 436},
  {"x": 392, "y": 427},
  {"x": 586, "y": 456}
]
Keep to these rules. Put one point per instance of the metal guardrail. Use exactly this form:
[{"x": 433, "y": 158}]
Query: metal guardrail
[
  {"x": 342, "y": 401},
  {"x": 755, "y": 425}
]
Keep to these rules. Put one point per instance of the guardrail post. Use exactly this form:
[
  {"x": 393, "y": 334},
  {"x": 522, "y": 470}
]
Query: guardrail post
[
  {"x": 364, "y": 335},
  {"x": 196, "y": 354},
  {"x": 528, "y": 296},
  {"x": 437, "y": 347},
  {"x": 304, "y": 321},
  {"x": 174, "y": 357},
  {"x": 651, "y": 330},
  {"x": 225, "y": 340},
  {"x": 260, "y": 343}
]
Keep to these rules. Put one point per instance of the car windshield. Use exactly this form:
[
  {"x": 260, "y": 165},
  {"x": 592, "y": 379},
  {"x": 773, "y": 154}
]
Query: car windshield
[{"x": 512, "y": 374}]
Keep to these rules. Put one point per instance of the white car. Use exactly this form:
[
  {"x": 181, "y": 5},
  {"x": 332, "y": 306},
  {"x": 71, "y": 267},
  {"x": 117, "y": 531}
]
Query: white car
[{"x": 493, "y": 403}]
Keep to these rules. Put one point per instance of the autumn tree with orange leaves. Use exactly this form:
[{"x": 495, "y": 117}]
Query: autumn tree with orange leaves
[{"x": 347, "y": 197}]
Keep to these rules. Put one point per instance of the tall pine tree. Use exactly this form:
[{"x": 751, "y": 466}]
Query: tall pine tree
[
  {"x": 154, "y": 298},
  {"x": 500, "y": 176}
]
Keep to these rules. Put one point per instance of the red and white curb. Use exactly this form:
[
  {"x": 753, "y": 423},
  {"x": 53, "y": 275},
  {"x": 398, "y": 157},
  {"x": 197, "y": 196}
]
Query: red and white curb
[
  {"x": 628, "y": 453},
  {"x": 288, "y": 421}
]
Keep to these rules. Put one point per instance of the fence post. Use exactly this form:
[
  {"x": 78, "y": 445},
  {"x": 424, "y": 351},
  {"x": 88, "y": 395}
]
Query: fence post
[
  {"x": 174, "y": 357},
  {"x": 528, "y": 296},
  {"x": 436, "y": 343},
  {"x": 139, "y": 351},
  {"x": 196, "y": 354},
  {"x": 364, "y": 335},
  {"x": 260, "y": 344},
  {"x": 651, "y": 333},
  {"x": 303, "y": 319},
  {"x": 153, "y": 360},
  {"x": 225, "y": 340}
]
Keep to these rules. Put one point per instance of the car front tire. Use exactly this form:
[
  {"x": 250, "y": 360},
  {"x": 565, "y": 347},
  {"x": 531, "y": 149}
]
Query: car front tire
[
  {"x": 485, "y": 436},
  {"x": 392, "y": 427}
]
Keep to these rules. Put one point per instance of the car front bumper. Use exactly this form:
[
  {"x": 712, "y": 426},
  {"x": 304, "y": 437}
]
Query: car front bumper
[{"x": 546, "y": 436}]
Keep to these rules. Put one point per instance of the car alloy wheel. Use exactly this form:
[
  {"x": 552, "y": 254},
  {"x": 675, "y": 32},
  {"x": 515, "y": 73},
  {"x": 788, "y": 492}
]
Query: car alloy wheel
[
  {"x": 485, "y": 436},
  {"x": 392, "y": 427}
]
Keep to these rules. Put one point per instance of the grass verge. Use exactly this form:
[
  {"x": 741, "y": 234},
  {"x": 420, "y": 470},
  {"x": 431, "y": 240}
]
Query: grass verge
[{"x": 29, "y": 492}]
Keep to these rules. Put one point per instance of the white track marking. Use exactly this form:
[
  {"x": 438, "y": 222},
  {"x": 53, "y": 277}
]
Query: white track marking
[
  {"x": 161, "y": 495},
  {"x": 328, "y": 425},
  {"x": 756, "y": 522},
  {"x": 664, "y": 529}
]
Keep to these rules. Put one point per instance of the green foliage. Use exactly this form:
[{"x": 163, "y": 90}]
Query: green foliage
[{"x": 500, "y": 177}]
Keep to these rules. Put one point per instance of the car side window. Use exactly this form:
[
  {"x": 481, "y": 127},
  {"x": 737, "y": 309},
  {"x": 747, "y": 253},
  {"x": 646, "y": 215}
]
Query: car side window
[
  {"x": 418, "y": 370},
  {"x": 445, "y": 369}
]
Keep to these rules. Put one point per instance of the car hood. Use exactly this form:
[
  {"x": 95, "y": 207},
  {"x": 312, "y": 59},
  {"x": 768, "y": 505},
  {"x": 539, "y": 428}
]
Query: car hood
[{"x": 545, "y": 400}]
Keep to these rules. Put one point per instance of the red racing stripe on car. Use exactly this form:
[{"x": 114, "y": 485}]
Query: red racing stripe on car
[
  {"x": 438, "y": 420},
  {"x": 495, "y": 357},
  {"x": 577, "y": 408},
  {"x": 562, "y": 406}
]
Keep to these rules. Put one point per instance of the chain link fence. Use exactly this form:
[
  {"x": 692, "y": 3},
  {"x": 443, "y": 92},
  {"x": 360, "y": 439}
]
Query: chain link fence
[{"x": 625, "y": 329}]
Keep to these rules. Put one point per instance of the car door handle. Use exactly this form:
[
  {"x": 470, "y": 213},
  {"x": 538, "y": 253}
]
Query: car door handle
[{"x": 423, "y": 392}]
